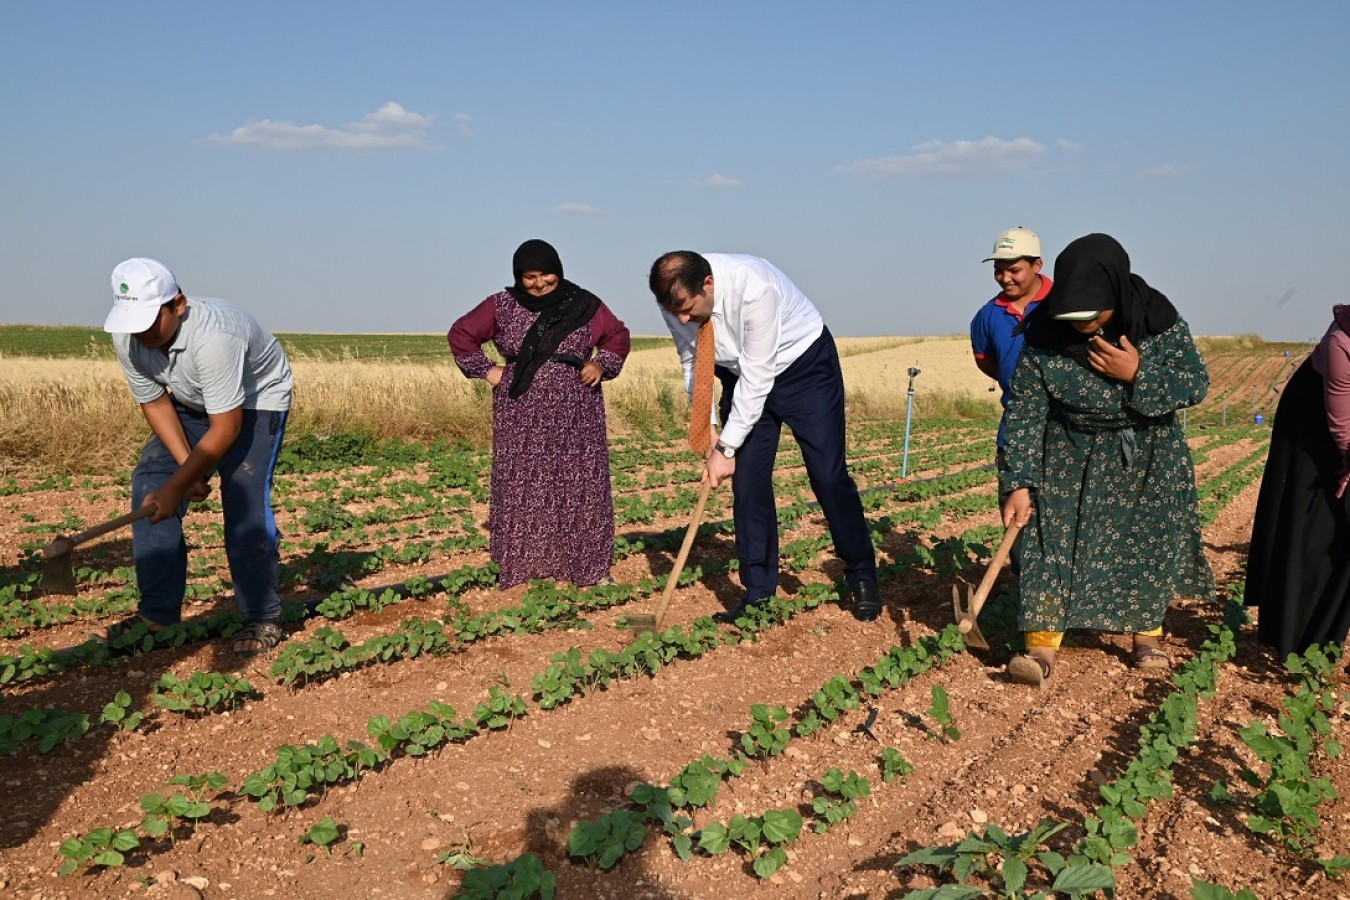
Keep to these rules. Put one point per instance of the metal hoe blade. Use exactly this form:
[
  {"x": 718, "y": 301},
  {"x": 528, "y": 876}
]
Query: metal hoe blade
[
  {"x": 58, "y": 572},
  {"x": 968, "y": 614}
]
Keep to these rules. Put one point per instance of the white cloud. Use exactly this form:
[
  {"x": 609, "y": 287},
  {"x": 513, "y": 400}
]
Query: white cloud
[
  {"x": 1164, "y": 171},
  {"x": 462, "y": 127},
  {"x": 990, "y": 156},
  {"x": 1068, "y": 146},
  {"x": 391, "y": 127},
  {"x": 580, "y": 209},
  {"x": 716, "y": 181}
]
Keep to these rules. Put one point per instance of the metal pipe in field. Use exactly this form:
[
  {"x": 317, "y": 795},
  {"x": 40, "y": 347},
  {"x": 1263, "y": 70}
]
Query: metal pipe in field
[{"x": 909, "y": 417}]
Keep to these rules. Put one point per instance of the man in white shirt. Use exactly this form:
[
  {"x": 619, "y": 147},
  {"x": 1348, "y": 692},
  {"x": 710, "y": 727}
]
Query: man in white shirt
[
  {"x": 215, "y": 388},
  {"x": 778, "y": 364}
]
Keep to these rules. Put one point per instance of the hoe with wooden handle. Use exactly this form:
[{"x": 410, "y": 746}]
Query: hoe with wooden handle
[
  {"x": 966, "y": 616},
  {"x": 58, "y": 569},
  {"x": 641, "y": 623}
]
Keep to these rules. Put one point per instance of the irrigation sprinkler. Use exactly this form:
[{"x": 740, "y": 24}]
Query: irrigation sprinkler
[{"x": 909, "y": 417}]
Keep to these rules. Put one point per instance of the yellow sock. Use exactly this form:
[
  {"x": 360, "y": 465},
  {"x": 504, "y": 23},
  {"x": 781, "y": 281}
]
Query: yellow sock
[{"x": 1043, "y": 640}]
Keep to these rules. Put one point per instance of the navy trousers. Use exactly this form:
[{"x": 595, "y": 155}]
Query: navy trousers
[
  {"x": 245, "y": 471},
  {"x": 809, "y": 398}
]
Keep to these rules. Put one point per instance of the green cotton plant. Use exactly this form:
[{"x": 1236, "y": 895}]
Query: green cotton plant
[
  {"x": 940, "y": 712},
  {"x": 45, "y": 728},
  {"x": 1286, "y": 804},
  {"x": 1008, "y": 863},
  {"x": 323, "y": 833},
  {"x": 760, "y": 837},
  {"x": 1204, "y": 890},
  {"x": 839, "y": 800},
  {"x": 764, "y": 738},
  {"x": 102, "y": 847},
  {"x": 523, "y": 877},
  {"x": 604, "y": 841},
  {"x": 118, "y": 712},
  {"x": 203, "y": 693},
  {"x": 893, "y": 765},
  {"x": 161, "y": 811}
]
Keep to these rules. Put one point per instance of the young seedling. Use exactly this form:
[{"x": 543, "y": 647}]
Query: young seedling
[
  {"x": 764, "y": 738},
  {"x": 100, "y": 847},
  {"x": 940, "y": 712},
  {"x": 893, "y": 765},
  {"x": 323, "y": 834},
  {"x": 461, "y": 856},
  {"x": 524, "y": 877},
  {"x": 603, "y": 842},
  {"x": 1005, "y": 861},
  {"x": 840, "y": 799},
  {"x": 118, "y": 713}
]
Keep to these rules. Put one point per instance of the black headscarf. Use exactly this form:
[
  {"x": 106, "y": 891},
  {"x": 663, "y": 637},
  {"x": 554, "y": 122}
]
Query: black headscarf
[
  {"x": 561, "y": 311},
  {"x": 1093, "y": 273}
]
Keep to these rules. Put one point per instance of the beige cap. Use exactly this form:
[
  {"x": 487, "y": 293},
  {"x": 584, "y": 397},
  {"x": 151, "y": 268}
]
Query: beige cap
[{"x": 1016, "y": 243}]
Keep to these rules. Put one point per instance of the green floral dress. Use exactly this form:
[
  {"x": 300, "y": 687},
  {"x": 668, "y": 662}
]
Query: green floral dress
[{"x": 1115, "y": 536}]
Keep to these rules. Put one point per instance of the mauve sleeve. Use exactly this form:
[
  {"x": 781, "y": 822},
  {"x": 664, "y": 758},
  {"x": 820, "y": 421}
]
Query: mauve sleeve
[
  {"x": 468, "y": 335},
  {"x": 612, "y": 342},
  {"x": 1337, "y": 387}
]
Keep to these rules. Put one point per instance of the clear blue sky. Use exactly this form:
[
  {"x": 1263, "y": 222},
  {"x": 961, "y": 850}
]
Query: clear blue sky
[{"x": 371, "y": 167}]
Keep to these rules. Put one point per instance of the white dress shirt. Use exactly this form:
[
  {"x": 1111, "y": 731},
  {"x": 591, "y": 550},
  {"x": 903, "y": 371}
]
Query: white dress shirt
[{"x": 762, "y": 323}]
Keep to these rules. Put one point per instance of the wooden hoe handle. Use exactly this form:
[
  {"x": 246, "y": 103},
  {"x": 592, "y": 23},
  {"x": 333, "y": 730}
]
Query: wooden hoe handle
[
  {"x": 684, "y": 551},
  {"x": 65, "y": 544},
  {"x": 990, "y": 575}
]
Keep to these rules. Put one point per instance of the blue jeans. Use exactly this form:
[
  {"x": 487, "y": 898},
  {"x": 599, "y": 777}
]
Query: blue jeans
[{"x": 251, "y": 535}]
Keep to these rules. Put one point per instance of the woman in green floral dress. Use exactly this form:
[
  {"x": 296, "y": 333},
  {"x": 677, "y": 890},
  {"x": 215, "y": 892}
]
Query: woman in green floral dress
[{"x": 1099, "y": 471}]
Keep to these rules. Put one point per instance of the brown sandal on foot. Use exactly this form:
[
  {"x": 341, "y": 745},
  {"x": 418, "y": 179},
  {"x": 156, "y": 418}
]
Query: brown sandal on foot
[
  {"x": 114, "y": 633},
  {"x": 1149, "y": 656},
  {"x": 1029, "y": 670}
]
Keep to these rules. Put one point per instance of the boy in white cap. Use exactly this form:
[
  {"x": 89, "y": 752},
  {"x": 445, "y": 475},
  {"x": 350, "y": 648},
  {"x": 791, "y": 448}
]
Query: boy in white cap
[
  {"x": 1017, "y": 269},
  {"x": 215, "y": 388}
]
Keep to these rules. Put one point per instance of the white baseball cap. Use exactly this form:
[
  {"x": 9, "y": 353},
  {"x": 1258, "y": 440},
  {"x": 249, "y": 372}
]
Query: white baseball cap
[
  {"x": 140, "y": 287},
  {"x": 1016, "y": 243}
]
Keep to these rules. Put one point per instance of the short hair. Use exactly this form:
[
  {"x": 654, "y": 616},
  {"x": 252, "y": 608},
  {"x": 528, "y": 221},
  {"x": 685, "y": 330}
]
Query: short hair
[{"x": 684, "y": 268}]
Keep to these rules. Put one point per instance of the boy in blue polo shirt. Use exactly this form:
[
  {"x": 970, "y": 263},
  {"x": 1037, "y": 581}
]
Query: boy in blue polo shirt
[{"x": 1017, "y": 269}]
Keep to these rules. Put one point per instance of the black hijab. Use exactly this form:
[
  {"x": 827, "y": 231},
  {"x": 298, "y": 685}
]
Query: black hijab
[
  {"x": 1093, "y": 274},
  {"x": 561, "y": 311}
]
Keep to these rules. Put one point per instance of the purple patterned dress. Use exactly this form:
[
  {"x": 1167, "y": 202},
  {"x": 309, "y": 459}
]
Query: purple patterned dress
[{"x": 552, "y": 515}]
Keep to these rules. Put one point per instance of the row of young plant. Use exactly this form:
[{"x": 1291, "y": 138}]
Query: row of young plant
[
  {"x": 601, "y": 843},
  {"x": 322, "y": 568},
  {"x": 1218, "y": 491},
  {"x": 1285, "y": 806},
  {"x": 298, "y": 774},
  {"x": 544, "y": 606}
]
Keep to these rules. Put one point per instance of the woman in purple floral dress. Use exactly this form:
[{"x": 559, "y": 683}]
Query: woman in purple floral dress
[{"x": 552, "y": 514}]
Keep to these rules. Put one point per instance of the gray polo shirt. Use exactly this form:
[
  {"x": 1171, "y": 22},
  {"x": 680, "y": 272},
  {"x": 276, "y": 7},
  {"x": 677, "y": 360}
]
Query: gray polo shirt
[{"x": 221, "y": 359}]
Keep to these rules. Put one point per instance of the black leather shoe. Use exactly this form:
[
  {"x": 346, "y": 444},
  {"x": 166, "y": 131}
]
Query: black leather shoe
[
  {"x": 866, "y": 601},
  {"x": 729, "y": 616}
]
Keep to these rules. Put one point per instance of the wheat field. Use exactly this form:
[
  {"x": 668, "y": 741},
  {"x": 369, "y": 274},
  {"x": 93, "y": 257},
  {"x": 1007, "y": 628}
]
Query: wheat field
[{"x": 74, "y": 415}]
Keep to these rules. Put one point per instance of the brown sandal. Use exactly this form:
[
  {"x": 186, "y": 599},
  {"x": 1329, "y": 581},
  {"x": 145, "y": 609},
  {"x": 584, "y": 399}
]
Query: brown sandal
[
  {"x": 1029, "y": 670},
  {"x": 257, "y": 638},
  {"x": 112, "y": 635},
  {"x": 1149, "y": 656}
]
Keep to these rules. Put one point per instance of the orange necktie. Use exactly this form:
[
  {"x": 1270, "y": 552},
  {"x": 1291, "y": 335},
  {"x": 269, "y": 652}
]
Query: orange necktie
[{"x": 700, "y": 416}]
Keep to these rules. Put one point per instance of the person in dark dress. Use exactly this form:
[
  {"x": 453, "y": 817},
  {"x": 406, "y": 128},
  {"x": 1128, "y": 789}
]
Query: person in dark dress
[
  {"x": 552, "y": 515},
  {"x": 1298, "y": 566},
  {"x": 1099, "y": 471}
]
